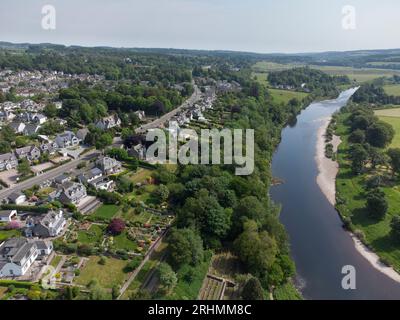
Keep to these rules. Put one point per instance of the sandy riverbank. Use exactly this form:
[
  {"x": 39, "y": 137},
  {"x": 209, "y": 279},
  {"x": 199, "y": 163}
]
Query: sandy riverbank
[{"x": 326, "y": 180}]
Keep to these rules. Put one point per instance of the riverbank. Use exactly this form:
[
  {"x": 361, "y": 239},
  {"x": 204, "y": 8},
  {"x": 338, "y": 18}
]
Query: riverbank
[
  {"x": 326, "y": 180},
  {"x": 327, "y": 168}
]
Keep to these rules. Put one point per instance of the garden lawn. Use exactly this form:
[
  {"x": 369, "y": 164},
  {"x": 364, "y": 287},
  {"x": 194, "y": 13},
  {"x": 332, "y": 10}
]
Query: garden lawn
[
  {"x": 92, "y": 236},
  {"x": 108, "y": 275},
  {"x": 55, "y": 261},
  {"x": 352, "y": 201},
  {"x": 122, "y": 242},
  {"x": 106, "y": 211},
  {"x": 140, "y": 176},
  {"x": 7, "y": 234}
]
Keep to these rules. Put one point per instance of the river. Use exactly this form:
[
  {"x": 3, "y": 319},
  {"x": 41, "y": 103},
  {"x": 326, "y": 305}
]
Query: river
[{"x": 320, "y": 246}]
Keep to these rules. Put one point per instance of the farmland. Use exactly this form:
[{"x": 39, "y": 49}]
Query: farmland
[
  {"x": 284, "y": 96},
  {"x": 391, "y": 116},
  {"x": 392, "y": 89}
]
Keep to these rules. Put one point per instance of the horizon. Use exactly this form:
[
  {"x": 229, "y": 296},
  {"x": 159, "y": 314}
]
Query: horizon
[
  {"x": 254, "y": 26},
  {"x": 191, "y": 49}
]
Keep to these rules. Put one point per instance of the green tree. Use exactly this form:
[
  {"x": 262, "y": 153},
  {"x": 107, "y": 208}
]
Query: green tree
[
  {"x": 185, "y": 247},
  {"x": 24, "y": 168},
  {"x": 50, "y": 110},
  {"x": 394, "y": 155},
  {"x": 252, "y": 290},
  {"x": 395, "y": 228},
  {"x": 377, "y": 204},
  {"x": 380, "y": 134},
  {"x": 161, "y": 193},
  {"x": 167, "y": 276},
  {"x": 359, "y": 156}
]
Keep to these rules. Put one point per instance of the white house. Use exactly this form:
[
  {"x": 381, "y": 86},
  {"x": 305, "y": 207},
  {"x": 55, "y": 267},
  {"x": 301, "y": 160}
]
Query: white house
[
  {"x": 18, "y": 254},
  {"x": 8, "y": 215},
  {"x": 16, "y": 257}
]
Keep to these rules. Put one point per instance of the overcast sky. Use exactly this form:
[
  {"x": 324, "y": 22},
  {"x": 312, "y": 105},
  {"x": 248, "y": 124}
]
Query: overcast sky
[{"x": 243, "y": 25}]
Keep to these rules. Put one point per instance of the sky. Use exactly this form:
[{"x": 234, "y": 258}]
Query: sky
[{"x": 265, "y": 26}]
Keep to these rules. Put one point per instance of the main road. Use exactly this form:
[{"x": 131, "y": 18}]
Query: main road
[
  {"x": 196, "y": 96},
  {"x": 51, "y": 174}
]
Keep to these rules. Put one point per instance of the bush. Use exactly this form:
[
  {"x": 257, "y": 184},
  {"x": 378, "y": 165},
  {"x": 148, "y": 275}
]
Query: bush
[{"x": 133, "y": 264}]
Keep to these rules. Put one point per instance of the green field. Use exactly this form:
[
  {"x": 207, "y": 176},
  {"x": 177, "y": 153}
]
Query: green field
[
  {"x": 106, "y": 211},
  {"x": 108, "y": 275},
  {"x": 392, "y": 89},
  {"x": 391, "y": 116},
  {"x": 6, "y": 234},
  {"x": 352, "y": 201},
  {"x": 121, "y": 241},
  {"x": 284, "y": 96},
  {"x": 355, "y": 74}
]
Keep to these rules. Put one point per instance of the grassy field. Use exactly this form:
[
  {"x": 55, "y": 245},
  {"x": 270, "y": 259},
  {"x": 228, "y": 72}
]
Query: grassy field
[
  {"x": 55, "y": 261},
  {"x": 392, "y": 89},
  {"x": 352, "y": 201},
  {"x": 284, "y": 96},
  {"x": 391, "y": 116},
  {"x": 106, "y": 211},
  {"x": 355, "y": 74},
  {"x": 122, "y": 242},
  {"x": 140, "y": 176},
  {"x": 108, "y": 275}
]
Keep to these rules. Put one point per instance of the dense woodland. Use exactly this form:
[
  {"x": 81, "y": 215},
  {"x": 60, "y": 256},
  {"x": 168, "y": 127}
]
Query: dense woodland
[{"x": 308, "y": 79}]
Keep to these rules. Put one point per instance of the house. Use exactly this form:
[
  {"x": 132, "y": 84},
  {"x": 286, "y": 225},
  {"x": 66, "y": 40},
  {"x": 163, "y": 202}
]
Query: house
[
  {"x": 18, "y": 126},
  {"x": 138, "y": 151},
  {"x": 49, "y": 147},
  {"x": 49, "y": 225},
  {"x": 45, "y": 247},
  {"x": 16, "y": 257},
  {"x": 82, "y": 133},
  {"x": 91, "y": 175},
  {"x": 18, "y": 254},
  {"x": 7, "y": 116},
  {"x": 109, "y": 122},
  {"x": 72, "y": 192},
  {"x": 8, "y": 215},
  {"x": 17, "y": 197},
  {"x": 8, "y": 161},
  {"x": 61, "y": 179},
  {"x": 109, "y": 165},
  {"x": 31, "y": 129},
  {"x": 67, "y": 139},
  {"x": 140, "y": 114},
  {"x": 31, "y": 153},
  {"x": 103, "y": 183},
  {"x": 39, "y": 118}
]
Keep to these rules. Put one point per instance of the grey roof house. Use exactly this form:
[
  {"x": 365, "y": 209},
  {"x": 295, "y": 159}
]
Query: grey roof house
[
  {"x": 8, "y": 161},
  {"x": 49, "y": 225},
  {"x": 29, "y": 152},
  {"x": 109, "y": 165}
]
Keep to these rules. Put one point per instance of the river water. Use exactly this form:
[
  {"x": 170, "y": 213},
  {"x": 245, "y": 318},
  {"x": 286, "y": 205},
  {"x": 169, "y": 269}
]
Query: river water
[{"x": 319, "y": 245}]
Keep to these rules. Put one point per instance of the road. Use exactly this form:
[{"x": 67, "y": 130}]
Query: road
[
  {"x": 51, "y": 174},
  {"x": 166, "y": 117},
  {"x": 4, "y": 193}
]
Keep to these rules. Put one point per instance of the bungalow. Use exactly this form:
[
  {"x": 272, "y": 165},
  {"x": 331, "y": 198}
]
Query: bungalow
[
  {"x": 109, "y": 122},
  {"x": 31, "y": 153},
  {"x": 67, "y": 139},
  {"x": 72, "y": 192},
  {"x": 61, "y": 179},
  {"x": 8, "y": 215},
  {"x": 109, "y": 165},
  {"x": 49, "y": 225},
  {"x": 8, "y": 161},
  {"x": 17, "y": 197}
]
